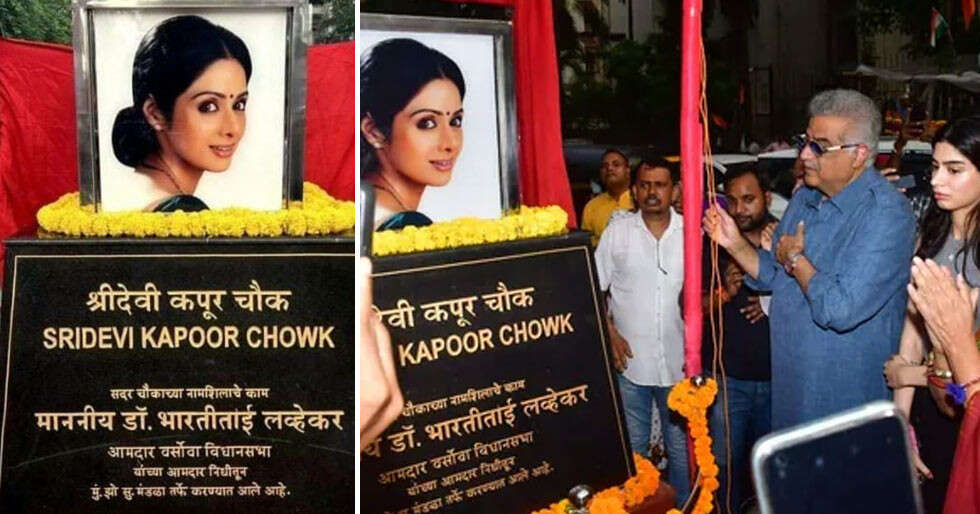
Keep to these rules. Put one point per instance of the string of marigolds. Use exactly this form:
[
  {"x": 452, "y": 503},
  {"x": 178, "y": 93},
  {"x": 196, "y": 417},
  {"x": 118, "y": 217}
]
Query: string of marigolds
[
  {"x": 617, "y": 500},
  {"x": 318, "y": 214},
  {"x": 524, "y": 223},
  {"x": 691, "y": 399}
]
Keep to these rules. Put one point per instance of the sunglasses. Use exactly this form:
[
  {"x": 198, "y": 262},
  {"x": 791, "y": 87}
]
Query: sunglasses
[{"x": 802, "y": 141}]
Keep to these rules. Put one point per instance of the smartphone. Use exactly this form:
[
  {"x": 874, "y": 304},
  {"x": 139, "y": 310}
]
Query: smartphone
[
  {"x": 858, "y": 461},
  {"x": 917, "y": 165},
  {"x": 905, "y": 181},
  {"x": 365, "y": 207}
]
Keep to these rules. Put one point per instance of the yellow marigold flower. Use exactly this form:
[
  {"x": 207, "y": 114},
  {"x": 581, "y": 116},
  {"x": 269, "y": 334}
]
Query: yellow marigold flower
[
  {"x": 523, "y": 223},
  {"x": 318, "y": 215}
]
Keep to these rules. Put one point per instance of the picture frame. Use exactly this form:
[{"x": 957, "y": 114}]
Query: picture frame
[
  {"x": 483, "y": 50},
  {"x": 106, "y": 37}
]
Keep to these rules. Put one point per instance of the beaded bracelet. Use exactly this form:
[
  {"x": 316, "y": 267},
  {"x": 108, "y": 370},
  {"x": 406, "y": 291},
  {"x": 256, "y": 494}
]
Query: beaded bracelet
[{"x": 958, "y": 391}]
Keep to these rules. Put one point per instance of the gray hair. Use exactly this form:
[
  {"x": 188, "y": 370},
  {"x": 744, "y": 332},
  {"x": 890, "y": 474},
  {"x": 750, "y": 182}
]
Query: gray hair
[{"x": 865, "y": 125}]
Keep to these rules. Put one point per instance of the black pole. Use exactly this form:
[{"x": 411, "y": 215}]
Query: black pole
[{"x": 629, "y": 6}]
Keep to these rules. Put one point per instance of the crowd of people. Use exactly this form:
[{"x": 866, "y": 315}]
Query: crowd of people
[{"x": 849, "y": 298}]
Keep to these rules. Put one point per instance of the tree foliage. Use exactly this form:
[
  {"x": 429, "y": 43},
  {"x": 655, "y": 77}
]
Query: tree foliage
[
  {"x": 912, "y": 17},
  {"x": 430, "y": 8},
  {"x": 50, "y": 20},
  {"x": 36, "y": 20},
  {"x": 336, "y": 23},
  {"x": 635, "y": 99}
]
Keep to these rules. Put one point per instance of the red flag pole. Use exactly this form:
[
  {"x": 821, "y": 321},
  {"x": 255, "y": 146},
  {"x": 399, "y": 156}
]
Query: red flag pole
[{"x": 692, "y": 161}]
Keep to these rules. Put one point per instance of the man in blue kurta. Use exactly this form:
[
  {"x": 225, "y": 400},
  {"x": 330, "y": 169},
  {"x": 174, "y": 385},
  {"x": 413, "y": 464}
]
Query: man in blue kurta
[{"x": 837, "y": 269}]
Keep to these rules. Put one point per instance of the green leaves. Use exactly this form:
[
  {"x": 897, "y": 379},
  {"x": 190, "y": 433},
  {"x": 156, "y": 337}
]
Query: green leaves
[
  {"x": 333, "y": 20},
  {"x": 36, "y": 20}
]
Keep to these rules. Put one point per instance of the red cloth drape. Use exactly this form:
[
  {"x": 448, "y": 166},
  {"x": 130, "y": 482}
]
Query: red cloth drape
[
  {"x": 543, "y": 178},
  {"x": 38, "y": 152},
  {"x": 330, "y": 118},
  {"x": 963, "y": 494}
]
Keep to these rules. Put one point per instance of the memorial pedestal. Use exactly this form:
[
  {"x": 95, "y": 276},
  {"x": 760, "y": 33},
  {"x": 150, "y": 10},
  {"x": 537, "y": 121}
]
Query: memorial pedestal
[
  {"x": 503, "y": 360},
  {"x": 159, "y": 376}
]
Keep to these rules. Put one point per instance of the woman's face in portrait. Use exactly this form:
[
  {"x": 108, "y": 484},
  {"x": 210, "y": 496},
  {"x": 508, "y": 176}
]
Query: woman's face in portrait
[
  {"x": 955, "y": 180},
  {"x": 209, "y": 117},
  {"x": 427, "y": 135}
]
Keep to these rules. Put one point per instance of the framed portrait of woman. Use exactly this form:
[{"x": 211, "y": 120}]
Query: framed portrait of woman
[
  {"x": 190, "y": 105},
  {"x": 437, "y": 122}
]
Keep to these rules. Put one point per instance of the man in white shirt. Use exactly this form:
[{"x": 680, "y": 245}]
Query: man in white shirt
[{"x": 640, "y": 262}]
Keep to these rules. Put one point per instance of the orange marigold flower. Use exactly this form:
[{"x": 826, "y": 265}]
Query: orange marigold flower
[
  {"x": 692, "y": 402},
  {"x": 711, "y": 484},
  {"x": 612, "y": 492},
  {"x": 710, "y": 471},
  {"x": 606, "y": 506}
]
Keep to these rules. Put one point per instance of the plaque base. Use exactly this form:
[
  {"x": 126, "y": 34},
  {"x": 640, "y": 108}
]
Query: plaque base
[
  {"x": 178, "y": 375},
  {"x": 504, "y": 364}
]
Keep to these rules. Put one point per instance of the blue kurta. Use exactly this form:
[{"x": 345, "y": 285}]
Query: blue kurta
[{"x": 829, "y": 345}]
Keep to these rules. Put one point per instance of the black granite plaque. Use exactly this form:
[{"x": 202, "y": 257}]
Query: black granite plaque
[
  {"x": 510, "y": 395},
  {"x": 162, "y": 376}
]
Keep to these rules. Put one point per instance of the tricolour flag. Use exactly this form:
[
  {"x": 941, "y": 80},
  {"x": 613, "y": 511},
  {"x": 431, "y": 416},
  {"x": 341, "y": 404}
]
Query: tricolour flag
[{"x": 937, "y": 27}]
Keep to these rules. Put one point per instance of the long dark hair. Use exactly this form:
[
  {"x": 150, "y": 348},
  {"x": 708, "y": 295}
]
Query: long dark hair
[
  {"x": 964, "y": 135},
  {"x": 392, "y": 73},
  {"x": 170, "y": 57}
]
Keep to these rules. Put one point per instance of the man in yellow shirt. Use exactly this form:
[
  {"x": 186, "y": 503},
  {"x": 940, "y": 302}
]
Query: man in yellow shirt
[{"x": 614, "y": 173}]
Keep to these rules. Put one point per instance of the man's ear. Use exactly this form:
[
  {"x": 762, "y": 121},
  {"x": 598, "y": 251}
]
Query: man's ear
[
  {"x": 371, "y": 132},
  {"x": 154, "y": 116},
  {"x": 861, "y": 155},
  {"x": 768, "y": 196}
]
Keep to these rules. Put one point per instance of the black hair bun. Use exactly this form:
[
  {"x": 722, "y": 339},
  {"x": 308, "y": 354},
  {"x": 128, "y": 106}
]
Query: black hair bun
[{"x": 132, "y": 137}]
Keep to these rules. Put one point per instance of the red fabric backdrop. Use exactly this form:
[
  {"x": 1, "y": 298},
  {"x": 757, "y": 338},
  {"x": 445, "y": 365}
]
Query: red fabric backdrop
[
  {"x": 544, "y": 180},
  {"x": 330, "y": 119},
  {"x": 38, "y": 151},
  {"x": 37, "y": 130}
]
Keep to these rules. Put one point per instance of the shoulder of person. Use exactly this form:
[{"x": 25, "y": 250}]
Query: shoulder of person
[
  {"x": 619, "y": 216},
  {"x": 589, "y": 211},
  {"x": 801, "y": 195},
  {"x": 597, "y": 199},
  {"x": 889, "y": 198},
  {"x": 619, "y": 225},
  {"x": 676, "y": 217}
]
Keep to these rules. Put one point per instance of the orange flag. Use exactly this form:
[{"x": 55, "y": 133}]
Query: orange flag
[{"x": 969, "y": 9}]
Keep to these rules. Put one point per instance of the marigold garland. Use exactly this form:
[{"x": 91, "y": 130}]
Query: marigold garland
[
  {"x": 318, "y": 214},
  {"x": 692, "y": 402},
  {"x": 524, "y": 223},
  {"x": 615, "y": 500}
]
